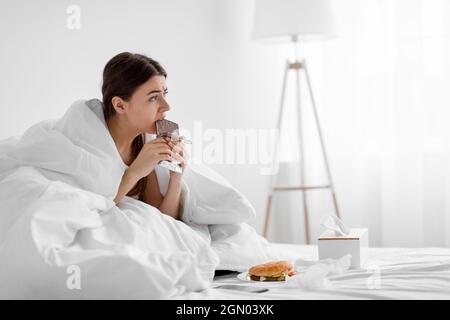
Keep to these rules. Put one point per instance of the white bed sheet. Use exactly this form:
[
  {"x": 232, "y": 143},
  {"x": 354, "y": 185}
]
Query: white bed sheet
[{"x": 391, "y": 273}]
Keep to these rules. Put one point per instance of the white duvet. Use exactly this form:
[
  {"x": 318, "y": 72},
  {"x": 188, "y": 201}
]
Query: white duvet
[{"x": 61, "y": 235}]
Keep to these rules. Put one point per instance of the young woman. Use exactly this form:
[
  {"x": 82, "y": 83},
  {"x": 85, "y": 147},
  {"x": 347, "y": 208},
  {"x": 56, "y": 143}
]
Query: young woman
[{"x": 134, "y": 98}]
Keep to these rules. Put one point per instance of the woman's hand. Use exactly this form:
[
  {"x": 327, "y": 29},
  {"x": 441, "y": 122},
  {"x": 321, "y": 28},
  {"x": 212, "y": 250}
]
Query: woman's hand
[
  {"x": 178, "y": 153},
  {"x": 150, "y": 155}
]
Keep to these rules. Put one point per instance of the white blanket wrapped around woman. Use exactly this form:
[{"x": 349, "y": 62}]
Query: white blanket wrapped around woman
[{"x": 62, "y": 236}]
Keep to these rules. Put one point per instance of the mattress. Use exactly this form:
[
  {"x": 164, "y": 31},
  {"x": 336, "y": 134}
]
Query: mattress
[{"x": 391, "y": 273}]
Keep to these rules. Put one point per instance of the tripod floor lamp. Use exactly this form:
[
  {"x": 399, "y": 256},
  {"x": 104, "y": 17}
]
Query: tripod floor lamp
[{"x": 296, "y": 20}]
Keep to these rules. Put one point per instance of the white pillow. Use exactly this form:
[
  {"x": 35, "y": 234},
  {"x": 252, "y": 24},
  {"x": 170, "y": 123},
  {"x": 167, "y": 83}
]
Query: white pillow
[{"x": 208, "y": 198}]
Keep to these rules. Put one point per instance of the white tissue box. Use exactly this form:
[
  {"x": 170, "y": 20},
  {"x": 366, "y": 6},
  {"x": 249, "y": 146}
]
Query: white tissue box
[{"x": 355, "y": 243}]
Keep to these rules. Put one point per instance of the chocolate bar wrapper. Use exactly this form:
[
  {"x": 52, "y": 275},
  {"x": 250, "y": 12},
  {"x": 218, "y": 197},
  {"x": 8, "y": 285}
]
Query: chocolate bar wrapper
[{"x": 171, "y": 165}]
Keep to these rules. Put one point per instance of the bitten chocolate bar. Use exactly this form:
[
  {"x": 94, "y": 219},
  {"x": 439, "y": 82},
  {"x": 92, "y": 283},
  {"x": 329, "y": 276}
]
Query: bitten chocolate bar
[
  {"x": 166, "y": 128},
  {"x": 169, "y": 129}
]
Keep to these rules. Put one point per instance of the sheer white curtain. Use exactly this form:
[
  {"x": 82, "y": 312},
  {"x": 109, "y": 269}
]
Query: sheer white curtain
[{"x": 383, "y": 91}]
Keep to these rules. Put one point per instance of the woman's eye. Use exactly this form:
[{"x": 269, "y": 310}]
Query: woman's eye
[{"x": 154, "y": 98}]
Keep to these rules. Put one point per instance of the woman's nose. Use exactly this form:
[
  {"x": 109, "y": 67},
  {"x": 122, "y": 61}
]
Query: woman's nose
[{"x": 166, "y": 106}]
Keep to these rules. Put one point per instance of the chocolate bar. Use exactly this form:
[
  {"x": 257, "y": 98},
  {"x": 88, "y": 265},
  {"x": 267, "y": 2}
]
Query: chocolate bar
[{"x": 166, "y": 128}]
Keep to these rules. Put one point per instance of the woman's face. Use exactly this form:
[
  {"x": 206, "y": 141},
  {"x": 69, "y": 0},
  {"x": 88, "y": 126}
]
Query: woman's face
[{"x": 148, "y": 104}]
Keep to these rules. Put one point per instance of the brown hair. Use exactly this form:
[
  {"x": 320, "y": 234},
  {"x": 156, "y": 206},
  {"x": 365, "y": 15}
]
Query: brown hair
[{"x": 122, "y": 75}]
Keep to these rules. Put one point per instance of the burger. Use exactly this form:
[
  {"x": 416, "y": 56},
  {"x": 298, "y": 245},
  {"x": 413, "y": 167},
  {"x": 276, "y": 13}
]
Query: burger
[{"x": 271, "y": 271}]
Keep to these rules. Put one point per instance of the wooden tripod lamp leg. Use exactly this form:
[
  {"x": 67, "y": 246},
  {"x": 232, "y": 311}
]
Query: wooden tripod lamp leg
[
  {"x": 267, "y": 216},
  {"x": 322, "y": 143},
  {"x": 306, "y": 217},
  {"x": 297, "y": 69},
  {"x": 336, "y": 208}
]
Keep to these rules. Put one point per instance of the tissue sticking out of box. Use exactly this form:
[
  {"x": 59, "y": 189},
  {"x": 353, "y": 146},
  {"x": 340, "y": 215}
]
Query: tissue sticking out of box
[{"x": 332, "y": 222}]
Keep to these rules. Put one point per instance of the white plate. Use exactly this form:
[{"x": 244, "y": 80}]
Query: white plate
[{"x": 244, "y": 277}]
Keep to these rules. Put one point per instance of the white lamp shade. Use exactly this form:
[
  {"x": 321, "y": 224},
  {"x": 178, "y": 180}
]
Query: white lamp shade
[{"x": 283, "y": 19}]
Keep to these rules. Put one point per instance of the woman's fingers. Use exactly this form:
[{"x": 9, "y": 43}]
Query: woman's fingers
[
  {"x": 177, "y": 156},
  {"x": 179, "y": 152},
  {"x": 164, "y": 157},
  {"x": 166, "y": 151},
  {"x": 169, "y": 149},
  {"x": 161, "y": 147},
  {"x": 183, "y": 163},
  {"x": 157, "y": 140},
  {"x": 177, "y": 147},
  {"x": 181, "y": 159}
]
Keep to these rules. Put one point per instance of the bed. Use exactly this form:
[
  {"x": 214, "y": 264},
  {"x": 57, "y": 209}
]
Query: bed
[
  {"x": 59, "y": 180},
  {"x": 391, "y": 273}
]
